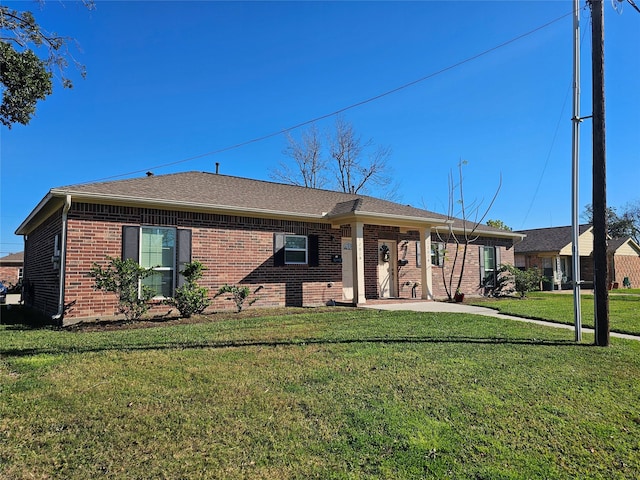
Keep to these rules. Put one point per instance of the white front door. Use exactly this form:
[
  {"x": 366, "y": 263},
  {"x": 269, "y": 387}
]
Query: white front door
[
  {"x": 387, "y": 261},
  {"x": 347, "y": 270}
]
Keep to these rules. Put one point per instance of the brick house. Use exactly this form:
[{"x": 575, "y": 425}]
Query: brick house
[
  {"x": 550, "y": 250},
  {"x": 624, "y": 262},
  {"x": 293, "y": 246},
  {"x": 11, "y": 268}
]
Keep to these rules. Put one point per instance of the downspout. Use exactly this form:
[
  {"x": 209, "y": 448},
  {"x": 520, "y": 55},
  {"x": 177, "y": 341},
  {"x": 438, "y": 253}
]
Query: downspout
[{"x": 63, "y": 259}]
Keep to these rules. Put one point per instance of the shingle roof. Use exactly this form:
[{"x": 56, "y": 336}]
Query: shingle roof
[
  {"x": 551, "y": 239},
  {"x": 202, "y": 190},
  {"x": 212, "y": 190},
  {"x": 614, "y": 244},
  {"x": 13, "y": 258}
]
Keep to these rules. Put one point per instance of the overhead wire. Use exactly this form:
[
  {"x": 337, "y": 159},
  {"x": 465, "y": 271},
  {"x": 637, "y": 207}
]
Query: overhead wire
[
  {"x": 343, "y": 109},
  {"x": 553, "y": 141}
]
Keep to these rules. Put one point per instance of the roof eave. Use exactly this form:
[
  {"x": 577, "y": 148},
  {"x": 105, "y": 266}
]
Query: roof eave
[
  {"x": 187, "y": 206},
  {"x": 386, "y": 219},
  {"x": 42, "y": 211},
  {"x": 490, "y": 233}
]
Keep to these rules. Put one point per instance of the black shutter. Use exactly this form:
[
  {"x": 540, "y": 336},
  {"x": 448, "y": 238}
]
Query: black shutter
[
  {"x": 314, "y": 257},
  {"x": 131, "y": 243},
  {"x": 183, "y": 254},
  {"x": 278, "y": 249}
]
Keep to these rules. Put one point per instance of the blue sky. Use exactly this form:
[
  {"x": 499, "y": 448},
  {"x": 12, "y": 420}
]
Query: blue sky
[{"x": 168, "y": 81}]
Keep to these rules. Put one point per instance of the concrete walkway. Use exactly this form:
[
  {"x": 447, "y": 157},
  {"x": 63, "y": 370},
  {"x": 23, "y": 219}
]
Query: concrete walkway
[{"x": 448, "y": 307}]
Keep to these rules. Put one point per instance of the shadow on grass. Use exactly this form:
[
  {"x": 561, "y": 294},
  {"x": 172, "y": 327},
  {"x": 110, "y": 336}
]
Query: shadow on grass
[
  {"x": 19, "y": 317},
  {"x": 20, "y": 352}
]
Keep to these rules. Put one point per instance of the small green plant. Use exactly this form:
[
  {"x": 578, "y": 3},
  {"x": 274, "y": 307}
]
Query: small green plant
[
  {"x": 190, "y": 298},
  {"x": 239, "y": 295},
  {"x": 123, "y": 277},
  {"x": 511, "y": 279}
]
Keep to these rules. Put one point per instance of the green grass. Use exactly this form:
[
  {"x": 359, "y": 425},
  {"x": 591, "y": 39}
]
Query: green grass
[
  {"x": 555, "y": 307},
  {"x": 350, "y": 394},
  {"x": 625, "y": 291}
]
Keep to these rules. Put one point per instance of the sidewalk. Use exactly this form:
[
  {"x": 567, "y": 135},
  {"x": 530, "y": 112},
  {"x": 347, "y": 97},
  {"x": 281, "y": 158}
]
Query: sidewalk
[{"x": 449, "y": 307}]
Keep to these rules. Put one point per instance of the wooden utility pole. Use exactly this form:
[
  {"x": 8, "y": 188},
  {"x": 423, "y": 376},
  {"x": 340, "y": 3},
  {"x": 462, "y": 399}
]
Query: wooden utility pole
[{"x": 599, "y": 201}]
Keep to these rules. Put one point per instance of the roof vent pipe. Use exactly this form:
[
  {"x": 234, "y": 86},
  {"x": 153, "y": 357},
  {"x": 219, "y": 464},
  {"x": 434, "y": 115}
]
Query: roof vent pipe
[{"x": 217, "y": 167}]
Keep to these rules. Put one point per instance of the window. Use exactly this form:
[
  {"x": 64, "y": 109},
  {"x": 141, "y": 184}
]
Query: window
[
  {"x": 295, "y": 249},
  {"x": 158, "y": 252},
  {"x": 167, "y": 250},
  {"x": 437, "y": 254},
  {"x": 489, "y": 264}
]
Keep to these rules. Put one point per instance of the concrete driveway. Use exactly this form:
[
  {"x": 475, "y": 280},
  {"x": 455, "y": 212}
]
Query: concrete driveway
[{"x": 449, "y": 307}]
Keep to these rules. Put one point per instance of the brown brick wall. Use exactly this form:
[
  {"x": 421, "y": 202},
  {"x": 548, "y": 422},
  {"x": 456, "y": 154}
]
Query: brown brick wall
[
  {"x": 41, "y": 287},
  {"x": 627, "y": 266},
  {"x": 9, "y": 274},
  {"x": 235, "y": 250},
  {"x": 472, "y": 277}
]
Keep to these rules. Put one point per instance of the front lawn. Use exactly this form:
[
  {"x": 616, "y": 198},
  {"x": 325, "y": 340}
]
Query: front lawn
[
  {"x": 558, "y": 307},
  {"x": 344, "y": 394}
]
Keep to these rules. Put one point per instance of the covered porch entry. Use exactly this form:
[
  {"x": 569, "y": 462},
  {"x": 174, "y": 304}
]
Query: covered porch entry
[{"x": 383, "y": 260}]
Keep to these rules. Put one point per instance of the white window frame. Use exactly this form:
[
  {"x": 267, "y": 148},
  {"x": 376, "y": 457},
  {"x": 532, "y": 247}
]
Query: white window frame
[
  {"x": 293, "y": 249},
  {"x": 441, "y": 249},
  {"x": 174, "y": 267},
  {"x": 438, "y": 250},
  {"x": 493, "y": 272}
]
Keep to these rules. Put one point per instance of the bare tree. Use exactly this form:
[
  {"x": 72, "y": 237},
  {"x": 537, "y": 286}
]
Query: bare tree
[
  {"x": 632, "y": 213},
  {"x": 464, "y": 234},
  {"x": 310, "y": 167},
  {"x": 356, "y": 166},
  {"x": 353, "y": 173}
]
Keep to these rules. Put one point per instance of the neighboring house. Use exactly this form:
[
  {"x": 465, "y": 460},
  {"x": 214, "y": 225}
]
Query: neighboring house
[
  {"x": 550, "y": 250},
  {"x": 295, "y": 246},
  {"x": 11, "y": 268},
  {"x": 624, "y": 262}
]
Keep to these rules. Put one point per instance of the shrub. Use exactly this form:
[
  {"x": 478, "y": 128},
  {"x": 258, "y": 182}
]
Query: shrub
[
  {"x": 190, "y": 298},
  {"x": 123, "y": 277},
  {"x": 512, "y": 279},
  {"x": 238, "y": 294}
]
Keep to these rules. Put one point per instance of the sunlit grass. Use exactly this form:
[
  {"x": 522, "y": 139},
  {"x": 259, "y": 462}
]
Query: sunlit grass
[
  {"x": 350, "y": 394},
  {"x": 624, "y": 316}
]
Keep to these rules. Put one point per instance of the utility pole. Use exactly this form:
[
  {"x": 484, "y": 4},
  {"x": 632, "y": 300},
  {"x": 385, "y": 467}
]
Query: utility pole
[
  {"x": 601, "y": 294},
  {"x": 575, "y": 180}
]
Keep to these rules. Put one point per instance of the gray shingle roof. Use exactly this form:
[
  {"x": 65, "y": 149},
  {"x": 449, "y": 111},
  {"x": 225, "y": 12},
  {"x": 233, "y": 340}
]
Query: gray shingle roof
[
  {"x": 215, "y": 192},
  {"x": 551, "y": 239},
  {"x": 208, "y": 189},
  {"x": 615, "y": 243}
]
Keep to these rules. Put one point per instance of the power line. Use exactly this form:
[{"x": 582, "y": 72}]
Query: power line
[
  {"x": 344, "y": 109},
  {"x": 551, "y": 147}
]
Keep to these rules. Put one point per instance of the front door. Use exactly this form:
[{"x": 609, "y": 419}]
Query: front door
[
  {"x": 387, "y": 260},
  {"x": 347, "y": 270}
]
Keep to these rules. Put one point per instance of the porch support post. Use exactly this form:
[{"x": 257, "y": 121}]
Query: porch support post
[
  {"x": 357, "y": 242},
  {"x": 425, "y": 264}
]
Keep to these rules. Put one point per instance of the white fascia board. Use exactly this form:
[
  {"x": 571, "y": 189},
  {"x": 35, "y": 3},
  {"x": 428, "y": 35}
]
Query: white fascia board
[
  {"x": 488, "y": 233},
  {"x": 21, "y": 230},
  {"x": 388, "y": 219}
]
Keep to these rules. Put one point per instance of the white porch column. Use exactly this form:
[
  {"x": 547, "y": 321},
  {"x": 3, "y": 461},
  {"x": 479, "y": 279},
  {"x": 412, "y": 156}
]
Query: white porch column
[
  {"x": 357, "y": 242},
  {"x": 425, "y": 264}
]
